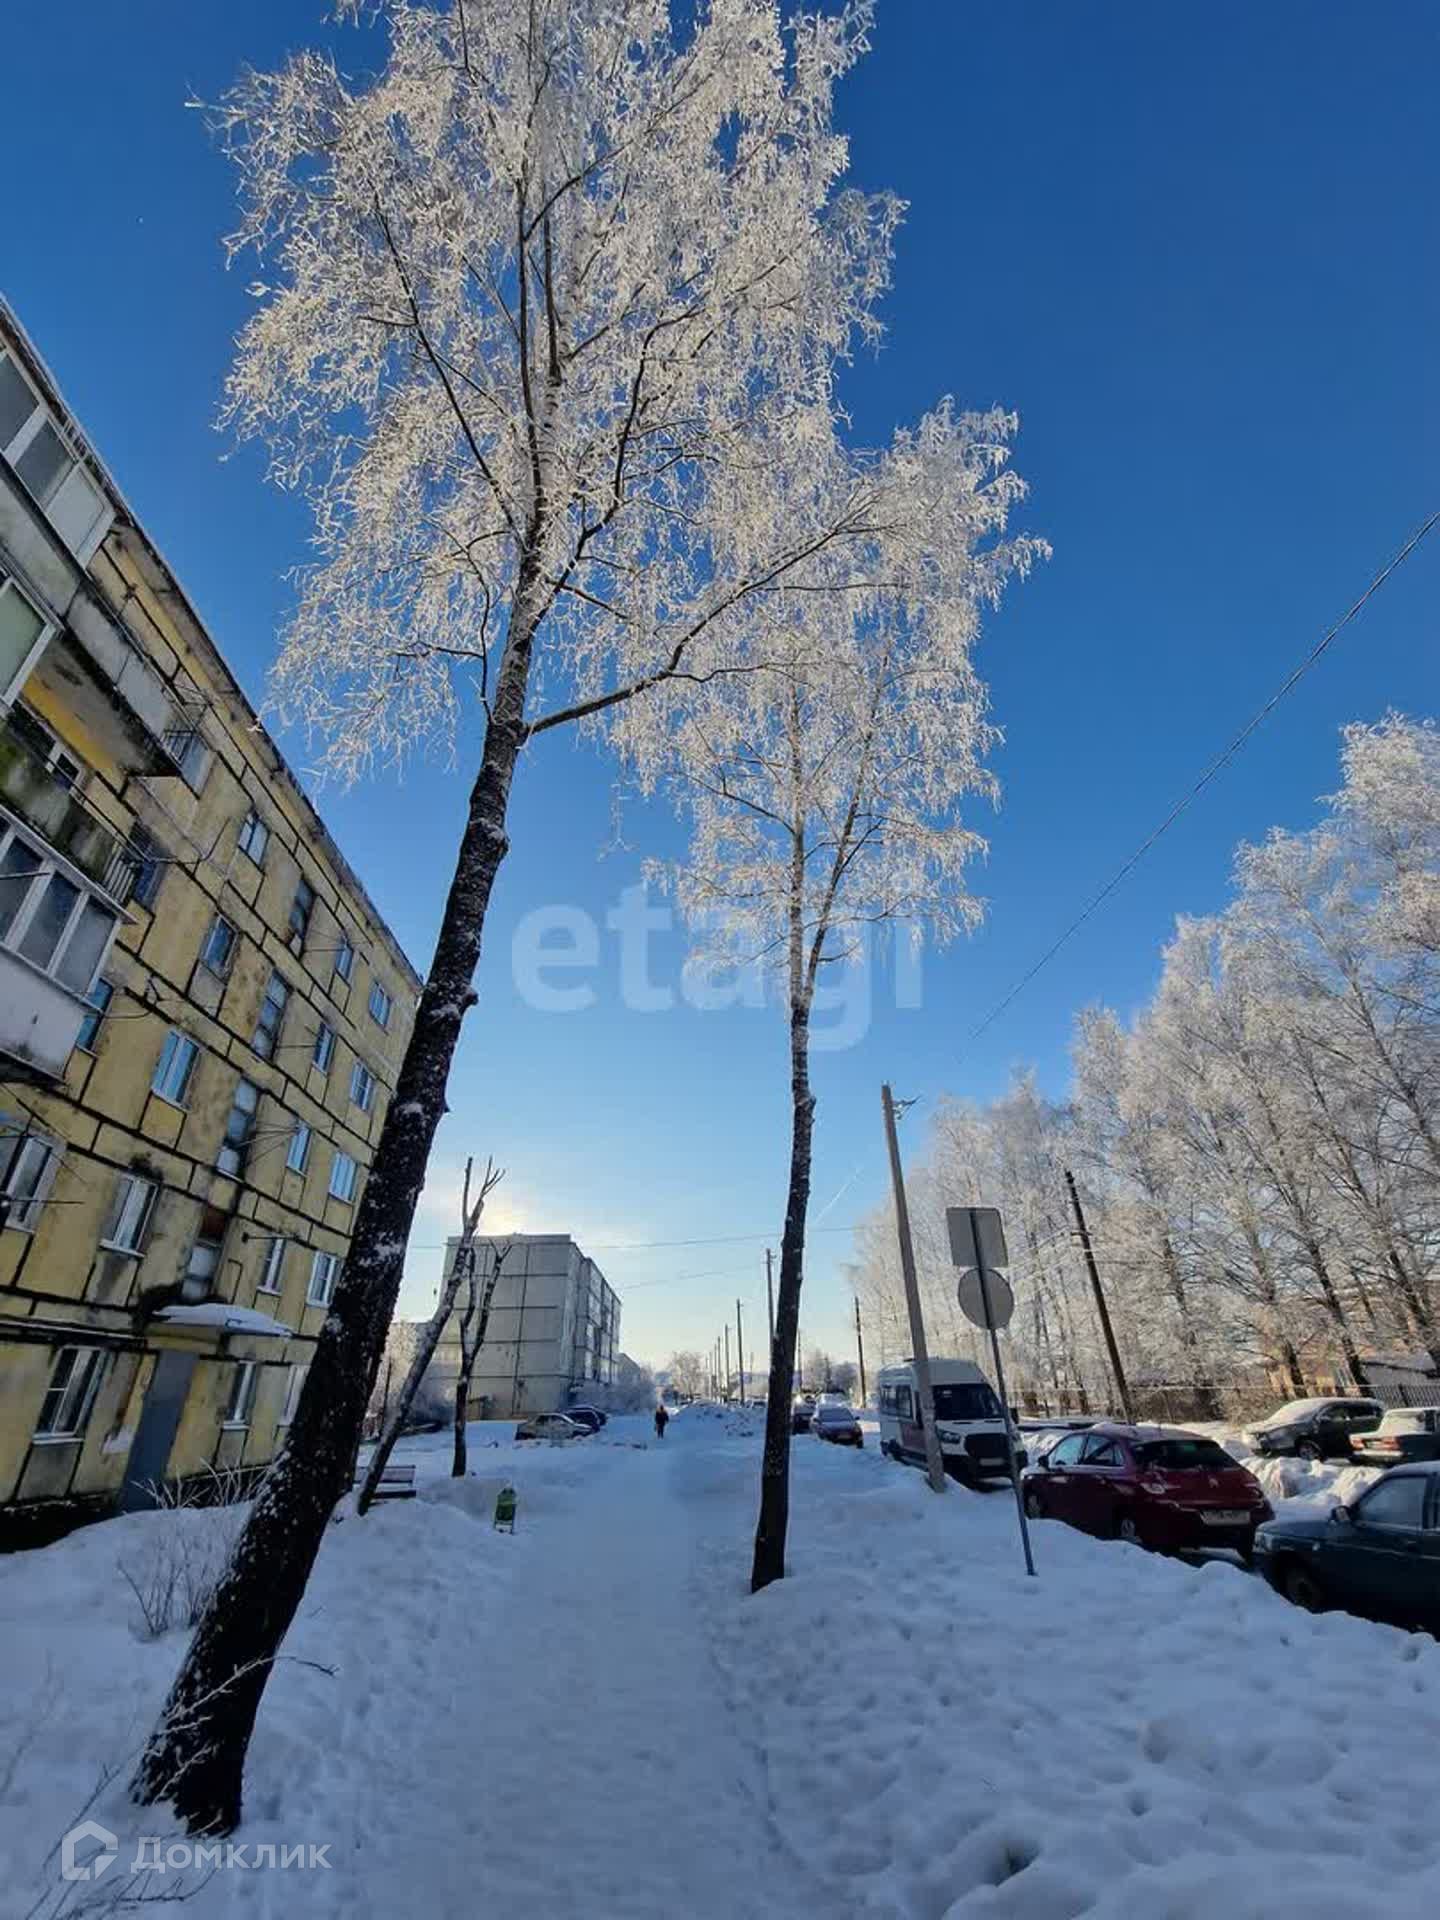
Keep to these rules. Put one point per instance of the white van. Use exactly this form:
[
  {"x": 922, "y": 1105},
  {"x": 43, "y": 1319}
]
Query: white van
[{"x": 969, "y": 1420}]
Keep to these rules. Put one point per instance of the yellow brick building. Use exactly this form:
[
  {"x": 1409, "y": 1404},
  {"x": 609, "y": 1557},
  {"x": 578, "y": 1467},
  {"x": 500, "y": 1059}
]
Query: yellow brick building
[{"x": 201, "y": 1013}]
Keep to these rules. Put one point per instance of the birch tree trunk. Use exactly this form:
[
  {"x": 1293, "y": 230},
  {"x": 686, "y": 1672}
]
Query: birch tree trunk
[{"x": 196, "y": 1756}]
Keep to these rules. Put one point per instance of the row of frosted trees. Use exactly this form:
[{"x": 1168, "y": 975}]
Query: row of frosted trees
[{"x": 1258, "y": 1149}]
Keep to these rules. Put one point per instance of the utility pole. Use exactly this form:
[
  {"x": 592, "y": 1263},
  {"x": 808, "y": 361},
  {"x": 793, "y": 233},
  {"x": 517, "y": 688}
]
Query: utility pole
[
  {"x": 935, "y": 1464},
  {"x": 1121, "y": 1383},
  {"x": 740, "y": 1352},
  {"x": 770, "y": 1299},
  {"x": 726, "y": 1394},
  {"x": 860, "y": 1349}
]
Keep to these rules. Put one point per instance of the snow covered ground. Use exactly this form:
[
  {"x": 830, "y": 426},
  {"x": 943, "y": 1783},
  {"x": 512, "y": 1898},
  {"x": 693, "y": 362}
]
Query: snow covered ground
[{"x": 596, "y": 1717}]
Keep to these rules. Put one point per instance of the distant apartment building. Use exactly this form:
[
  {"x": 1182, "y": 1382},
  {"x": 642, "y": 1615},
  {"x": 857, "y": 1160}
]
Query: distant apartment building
[
  {"x": 554, "y": 1330},
  {"x": 201, "y": 1013}
]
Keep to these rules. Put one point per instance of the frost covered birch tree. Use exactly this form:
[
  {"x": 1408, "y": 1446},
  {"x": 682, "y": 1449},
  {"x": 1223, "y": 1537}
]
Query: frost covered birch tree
[
  {"x": 547, "y": 308},
  {"x": 824, "y": 784}
]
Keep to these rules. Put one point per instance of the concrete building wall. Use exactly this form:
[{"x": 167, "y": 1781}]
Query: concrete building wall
[{"x": 123, "y": 649}]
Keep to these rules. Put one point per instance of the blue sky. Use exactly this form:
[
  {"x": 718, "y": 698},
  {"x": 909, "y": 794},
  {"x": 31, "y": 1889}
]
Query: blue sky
[{"x": 1192, "y": 246}]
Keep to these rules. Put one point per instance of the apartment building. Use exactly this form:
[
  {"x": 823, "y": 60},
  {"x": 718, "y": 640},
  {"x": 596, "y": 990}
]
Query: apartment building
[
  {"x": 554, "y": 1331},
  {"x": 201, "y": 1013}
]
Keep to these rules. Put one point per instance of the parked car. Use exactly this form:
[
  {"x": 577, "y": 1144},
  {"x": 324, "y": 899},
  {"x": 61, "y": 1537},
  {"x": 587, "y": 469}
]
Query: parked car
[
  {"x": 1160, "y": 1487},
  {"x": 597, "y": 1413},
  {"x": 1405, "y": 1434},
  {"x": 1314, "y": 1429},
  {"x": 588, "y": 1417},
  {"x": 551, "y": 1426},
  {"x": 835, "y": 1420},
  {"x": 833, "y": 1398},
  {"x": 975, "y": 1437},
  {"x": 801, "y": 1413},
  {"x": 1378, "y": 1557}
]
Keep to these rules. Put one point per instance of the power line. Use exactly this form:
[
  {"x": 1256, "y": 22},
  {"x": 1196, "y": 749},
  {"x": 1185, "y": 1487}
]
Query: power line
[{"x": 1221, "y": 760}]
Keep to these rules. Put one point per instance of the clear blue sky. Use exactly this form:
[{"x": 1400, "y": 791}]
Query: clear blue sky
[{"x": 1193, "y": 246}]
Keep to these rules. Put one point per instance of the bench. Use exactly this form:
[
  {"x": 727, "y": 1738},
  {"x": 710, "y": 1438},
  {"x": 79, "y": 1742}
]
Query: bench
[{"x": 396, "y": 1483}]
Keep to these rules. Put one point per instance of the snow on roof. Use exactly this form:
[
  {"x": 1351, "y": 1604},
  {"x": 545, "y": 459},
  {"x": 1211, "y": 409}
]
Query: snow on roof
[{"x": 227, "y": 1317}]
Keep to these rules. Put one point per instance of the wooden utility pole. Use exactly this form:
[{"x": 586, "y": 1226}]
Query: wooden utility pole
[
  {"x": 934, "y": 1461},
  {"x": 860, "y": 1349},
  {"x": 726, "y": 1394},
  {"x": 740, "y": 1352},
  {"x": 770, "y": 1295},
  {"x": 1122, "y": 1385}
]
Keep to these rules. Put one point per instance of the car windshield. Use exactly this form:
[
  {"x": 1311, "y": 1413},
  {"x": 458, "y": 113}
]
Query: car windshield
[
  {"x": 1183, "y": 1456},
  {"x": 975, "y": 1401}
]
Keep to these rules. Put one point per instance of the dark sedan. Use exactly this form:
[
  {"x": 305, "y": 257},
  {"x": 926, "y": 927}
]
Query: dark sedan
[
  {"x": 1405, "y": 1434},
  {"x": 1378, "y": 1557},
  {"x": 1156, "y": 1486},
  {"x": 837, "y": 1423},
  {"x": 802, "y": 1412},
  {"x": 1315, "y": 1429}
]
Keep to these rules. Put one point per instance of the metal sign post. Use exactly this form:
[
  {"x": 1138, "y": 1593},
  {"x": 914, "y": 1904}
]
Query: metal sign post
[{"x": 987, "y": 1299}]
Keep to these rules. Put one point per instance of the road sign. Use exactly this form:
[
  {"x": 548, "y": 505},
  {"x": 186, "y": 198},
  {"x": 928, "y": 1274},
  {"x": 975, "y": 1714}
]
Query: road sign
[
  {"x": 977, "y": 1238},
  {"x": 974, "y": 1294}
]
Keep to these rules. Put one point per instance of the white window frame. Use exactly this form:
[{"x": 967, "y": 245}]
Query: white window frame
[
  {"x": 300, "y": 1137},
  {"x": 386, "y": 1004},
  {"x": 272, "y": 1272},
  {"x": 323, "y": 1052},
  {"x": 279, "y": 1026},
  {"x": 220, "y": 969},
  {"x": 328, "y": 1265},
  {"x": 345, "y": 959},
  {"x": 41, "y": 866},
  {"x": 294, "y": 1387},
  {"x": 24, "y": 1142},
  {"x": 240, "y": 1402},
  {"x": 177, "y": 1045},
  {"x": 297, "y": 923},
  {"x": 48, "y": 630},
  {"x": 362, "y": 1087},
  {"x": 190, "y": 751},
  {"x": 345, "y": 1168},
  {"x": 101, "y": 1011},
  {"x": 77, "y": 1391},
  {"x": 253, "y": 828},
  {"x": 30, "y": 429},
  {"x": 241, "y": 1148},
  {"x": 132, "y": 1208}
]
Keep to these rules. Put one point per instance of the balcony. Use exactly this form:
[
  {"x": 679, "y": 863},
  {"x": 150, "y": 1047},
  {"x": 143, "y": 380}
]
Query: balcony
[
  {"x": 39, "y": 1022},
  {"x": 39, "y": 799}
]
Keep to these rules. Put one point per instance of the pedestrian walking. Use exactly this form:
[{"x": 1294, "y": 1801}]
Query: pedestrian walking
[{"x": 662, "y": 1420}]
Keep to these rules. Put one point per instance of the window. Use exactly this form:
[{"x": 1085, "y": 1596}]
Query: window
[
  {"x": 299, "y": 1151},
  {"x": 362, "y": 1086},
  {"x": 904, "y": 1405},
  {"x": 1102, "y": 1453},
  {"x": 301, "y": 908},
  {"x": 343, "y": 1171},
  {"x": 254, "y": 837},
  {"x": 129, "y": 1215},
  {"x": 324, "y": 1047},
  {"x": 44, "y": 746},
  {"x": 324, "y": 1272},
  {"x": 294, "y": 1387},
  {"x": 1066, "y": 1452},
  {"x": 239, "y": 1129},
  {"x": 74, "y": 1382},
  {"x": 971, "y": 1400},
  {"x": 344, "y": 958},
  {"x": 219, "y": 948},
  {"x": 379, "y": 1005},
  {"x": 28, "y": 1163},
  {"x": 272, "y": 1015},
  {"x": 17, "y": 402},
  {"x": 1396, "y": 1502},
  {"x": 34, "y": 447},
  {"x": 241, "y": 1402},
  {"x": 44, "y": 915},
  {"x": 1184, "y": 1456},
  {"x": 150, "y": 863},
  {"x": 204, "y": 1262},
  {"x": 176, "y": 1068},
  {"x": 99, "y": 996},
  {"x": 272, "y": 1274},
  {"x": 23, "y": 631},
  {"x": 186, "y": 747}
]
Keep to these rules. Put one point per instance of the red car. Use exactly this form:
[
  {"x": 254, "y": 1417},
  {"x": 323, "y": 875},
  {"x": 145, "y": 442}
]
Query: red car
[{"x": 1157, "y": 1486}]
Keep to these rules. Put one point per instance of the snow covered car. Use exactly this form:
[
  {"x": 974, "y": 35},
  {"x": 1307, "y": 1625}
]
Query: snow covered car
[
  {"x": 551, "y": 1426},
  {"x": 587, "y": 1417},
  {"x": 837, "y": 1422},
  {"x": 801, "y": 1413},
  {"x": 1314, "y": 1429},
  {"x": 1378, "y": 1557},
  {"x": 1405, "y": 1434},
  {"x": 1160, "y": 1487}
]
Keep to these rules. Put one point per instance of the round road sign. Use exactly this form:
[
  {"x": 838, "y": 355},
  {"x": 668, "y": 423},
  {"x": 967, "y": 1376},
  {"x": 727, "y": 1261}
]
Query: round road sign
[{"x": 971, "y": 1296}]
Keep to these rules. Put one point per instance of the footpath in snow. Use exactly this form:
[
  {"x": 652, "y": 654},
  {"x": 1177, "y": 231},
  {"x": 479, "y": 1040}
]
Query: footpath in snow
[{"x": 594, "y": 1717}]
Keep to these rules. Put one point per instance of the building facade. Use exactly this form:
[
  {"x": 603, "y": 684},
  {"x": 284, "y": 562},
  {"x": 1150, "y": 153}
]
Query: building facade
[
  {"x": 553, "y": 1334},
  {"x": 201, "y": 1013}
]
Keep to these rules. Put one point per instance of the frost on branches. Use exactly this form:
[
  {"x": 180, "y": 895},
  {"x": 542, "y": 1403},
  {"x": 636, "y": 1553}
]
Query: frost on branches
[{"x": 823, "y": 776}]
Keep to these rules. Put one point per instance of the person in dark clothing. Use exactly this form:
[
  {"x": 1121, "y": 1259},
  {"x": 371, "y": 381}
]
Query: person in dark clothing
[{"x": 662, "y": 1420}]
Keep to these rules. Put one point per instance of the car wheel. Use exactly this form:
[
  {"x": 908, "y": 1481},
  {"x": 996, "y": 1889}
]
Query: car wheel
[
  {"x": 1310, "y": 1450},
  {"x": 1127, "y": 1528},
  {"x": 1033, "y": 1507},
  {"x": 1302, "y": 1589}
]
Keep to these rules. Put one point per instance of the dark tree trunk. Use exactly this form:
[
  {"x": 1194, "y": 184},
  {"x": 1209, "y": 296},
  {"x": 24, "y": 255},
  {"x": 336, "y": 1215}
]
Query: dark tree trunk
[
  {"x": 419, "y": 1362},
  {"x": 195, "y": 1757},
  {"x": 769, "y": 1561},
  {"x": 1290, "y": 1360},
  {"x": 469, "y": 1354}
]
